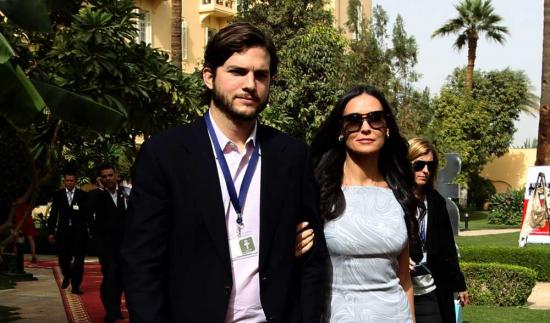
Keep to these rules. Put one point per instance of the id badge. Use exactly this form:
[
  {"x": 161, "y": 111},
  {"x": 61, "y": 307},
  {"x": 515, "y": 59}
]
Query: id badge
[
  {"x": 75, "y": 207},
  {"x": 243, "y": 246}
]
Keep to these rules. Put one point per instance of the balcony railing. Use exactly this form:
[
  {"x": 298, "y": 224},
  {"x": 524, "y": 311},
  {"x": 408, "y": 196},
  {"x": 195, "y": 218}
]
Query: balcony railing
[
  {"x": 225, "y": 3},
  {"x": 217, "y": 8}
]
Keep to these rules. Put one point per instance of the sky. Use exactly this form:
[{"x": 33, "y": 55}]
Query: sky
[{"x": 437, "y": 58}]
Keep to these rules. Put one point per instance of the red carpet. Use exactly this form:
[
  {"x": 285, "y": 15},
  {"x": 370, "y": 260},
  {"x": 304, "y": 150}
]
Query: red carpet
[{"x": 81, "y": 308}]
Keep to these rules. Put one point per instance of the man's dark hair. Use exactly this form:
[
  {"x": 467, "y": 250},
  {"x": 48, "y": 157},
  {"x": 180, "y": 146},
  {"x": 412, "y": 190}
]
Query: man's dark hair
[
  {"x": 105, "y": 166},
  {"x": 69, "y": 172},
  {"x": 235, "y": 38}
]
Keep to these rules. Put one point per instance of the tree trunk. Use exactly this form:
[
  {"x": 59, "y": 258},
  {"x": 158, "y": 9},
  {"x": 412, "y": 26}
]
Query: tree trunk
[
  {"x": 543, "y": 146},
  {"x": 176, "y": 33},
  {"x": 472, "y": 47}
]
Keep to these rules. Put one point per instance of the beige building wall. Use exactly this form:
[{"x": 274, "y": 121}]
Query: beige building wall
[
  {"x": 160, "y": 11},
  {"x": 510, "y": 170},
  {"x": 339, "y": 9},
  {"x": 199, "y": 16}
]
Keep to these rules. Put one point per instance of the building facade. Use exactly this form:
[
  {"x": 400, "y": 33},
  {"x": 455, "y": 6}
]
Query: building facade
[
  {"x": 201, "y": 19},
  {"x": 339, "y": 10},
  {"x": 510, "y": 170}
]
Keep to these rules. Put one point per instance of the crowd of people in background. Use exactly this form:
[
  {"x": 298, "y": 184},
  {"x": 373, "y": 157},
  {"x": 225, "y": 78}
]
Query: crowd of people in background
[
  {"x": 229, "y": 220},
  {"x": 76, "y": 217}
]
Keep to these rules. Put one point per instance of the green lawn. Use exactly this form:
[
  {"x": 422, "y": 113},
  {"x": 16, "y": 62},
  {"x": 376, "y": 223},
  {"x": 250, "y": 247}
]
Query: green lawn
[
  {"x": 492, "y": 240},
  {"x": 477, "y": 220},
  {"x": 495, "y": 240},
  {"x": 491, "y": 314},
  {"x": 482, "y": 314}
]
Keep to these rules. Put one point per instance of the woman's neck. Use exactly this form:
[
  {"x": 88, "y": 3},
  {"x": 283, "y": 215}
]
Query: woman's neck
[
  {"x": 362, "y": 170},
  {"x": 419, "y": 192}
]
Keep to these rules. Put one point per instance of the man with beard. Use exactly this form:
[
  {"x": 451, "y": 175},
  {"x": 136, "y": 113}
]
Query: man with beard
[{"x": 210, "y": 232}]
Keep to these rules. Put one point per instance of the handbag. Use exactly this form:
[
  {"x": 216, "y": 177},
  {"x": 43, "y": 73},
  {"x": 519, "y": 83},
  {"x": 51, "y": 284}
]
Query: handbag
[{"x": 537, "y": 210}]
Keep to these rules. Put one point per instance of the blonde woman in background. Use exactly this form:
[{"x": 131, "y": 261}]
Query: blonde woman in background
[{"x": 437, "y": 276}]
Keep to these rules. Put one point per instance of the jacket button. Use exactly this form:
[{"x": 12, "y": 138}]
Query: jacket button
[{"x": 264, "y": 278}]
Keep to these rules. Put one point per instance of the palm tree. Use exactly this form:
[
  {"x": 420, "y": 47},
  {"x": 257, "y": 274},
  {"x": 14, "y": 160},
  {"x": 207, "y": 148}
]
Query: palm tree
[
  {"x": 175, "y": 42},
  {"x": 474, "y": 17},
  {"x": 543, "y": 147}
]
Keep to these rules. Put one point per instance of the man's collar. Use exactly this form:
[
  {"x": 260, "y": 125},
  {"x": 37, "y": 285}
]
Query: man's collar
[
  {"x": 116, "y": 190},
  {"x": 223, "y": 140}
]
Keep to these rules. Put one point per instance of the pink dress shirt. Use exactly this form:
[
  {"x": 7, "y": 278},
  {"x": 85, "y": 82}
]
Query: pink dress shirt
[{"x": 244, "y": 303}]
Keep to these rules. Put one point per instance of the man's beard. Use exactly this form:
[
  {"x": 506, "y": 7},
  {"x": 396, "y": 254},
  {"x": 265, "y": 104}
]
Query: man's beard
[{"x": 226, "y": 106}]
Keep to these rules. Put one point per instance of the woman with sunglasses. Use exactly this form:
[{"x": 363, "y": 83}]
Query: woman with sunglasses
[
  {"x": 368, "y": 205},
  {"x": 437, "y": 276}
]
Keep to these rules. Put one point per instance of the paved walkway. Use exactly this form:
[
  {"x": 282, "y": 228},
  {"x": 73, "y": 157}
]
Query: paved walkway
[
  {"x": 540, "y": 297},
  {"x": 38, "y": 300},
  {"x": 471, "y": 233}
]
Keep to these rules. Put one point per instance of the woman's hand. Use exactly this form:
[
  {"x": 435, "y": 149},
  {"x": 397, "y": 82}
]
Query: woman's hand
[
  {"x": 304, "y": 239},
  {"x": 411, "y": 264},
  {"x": 463, "y": 298}
]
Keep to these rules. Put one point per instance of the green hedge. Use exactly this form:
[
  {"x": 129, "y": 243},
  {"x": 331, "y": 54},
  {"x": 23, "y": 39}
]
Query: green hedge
[
  {"x": 506, "y": 207},
  {"x": 498, "y": 284},
  {"x": 533, "y": 257}
]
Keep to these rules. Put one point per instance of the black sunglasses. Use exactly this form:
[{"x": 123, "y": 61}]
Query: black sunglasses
[
  {"x": 354, "y": 121},
  {"x": 420, "y": 164}
]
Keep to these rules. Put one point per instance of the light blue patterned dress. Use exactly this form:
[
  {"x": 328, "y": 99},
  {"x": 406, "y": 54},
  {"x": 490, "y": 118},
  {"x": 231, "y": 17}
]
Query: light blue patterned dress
[{"x": 363, "y": 243}]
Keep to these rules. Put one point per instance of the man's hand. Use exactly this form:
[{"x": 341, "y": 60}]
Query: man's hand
[
  {"x": 51, "y": 238},
  {"x": 304, "y": 239}
]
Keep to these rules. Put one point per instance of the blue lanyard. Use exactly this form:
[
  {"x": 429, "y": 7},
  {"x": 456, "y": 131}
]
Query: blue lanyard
[
  {"x": 422, "y": 231},
  {"x": 237, "y": 202}
]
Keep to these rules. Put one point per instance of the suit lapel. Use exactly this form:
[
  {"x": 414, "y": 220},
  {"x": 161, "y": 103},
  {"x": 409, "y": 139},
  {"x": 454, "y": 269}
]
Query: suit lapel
[
  {"x": 274, "y": 168},
  {"x": 76, "y": 197},
  {"x": 203, "y": 175},
  {"x": 108, "y": 197},
  {"x": 432, "y": 219}
]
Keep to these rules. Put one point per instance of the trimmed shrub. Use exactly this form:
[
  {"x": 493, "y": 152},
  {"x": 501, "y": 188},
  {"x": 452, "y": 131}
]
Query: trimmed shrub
[
  {"x": 498, "y": 284},
  {"x": 480, "y": 191},
  {"x": 506, "y": 208},
  {"x": 533, "y": 257}
]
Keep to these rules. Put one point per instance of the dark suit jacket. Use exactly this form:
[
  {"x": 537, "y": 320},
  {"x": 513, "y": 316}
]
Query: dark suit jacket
[
  {"x": 176, "y": 260},
  {"x": 108, "y": 218},
  {"x": 442, "y": 255},
  {"x": 62, "y": 214}
]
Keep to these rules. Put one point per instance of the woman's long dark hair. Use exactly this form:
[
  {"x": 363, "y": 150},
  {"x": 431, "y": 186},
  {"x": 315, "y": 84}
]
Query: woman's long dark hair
[{"x": 329, "y": 154}]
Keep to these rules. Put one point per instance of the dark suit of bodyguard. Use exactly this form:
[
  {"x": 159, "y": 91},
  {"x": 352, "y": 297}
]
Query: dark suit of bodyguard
[
  {"x": 69, "y": 223},
  {"x": 109, "y": 207}
]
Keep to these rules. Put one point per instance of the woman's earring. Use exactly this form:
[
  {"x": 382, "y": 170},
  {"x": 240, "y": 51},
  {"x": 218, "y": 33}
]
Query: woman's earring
[
  {"x": 387, "y": 134},
  {"x": 341, "y": 138}
]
